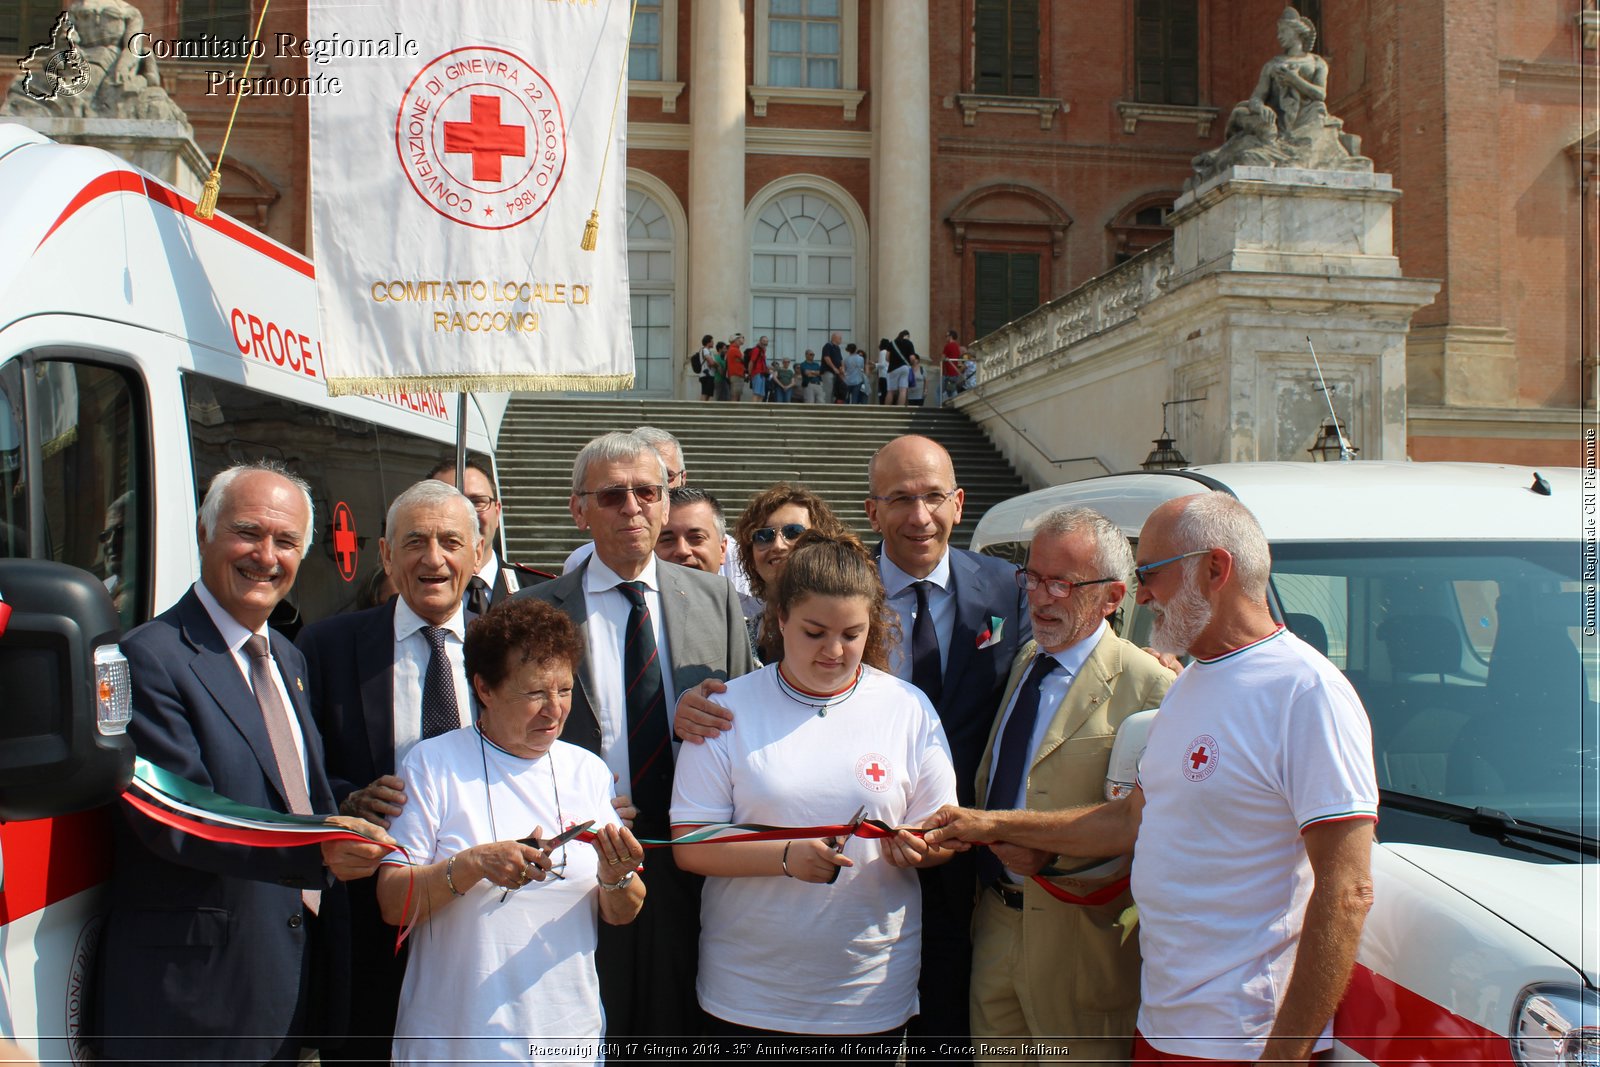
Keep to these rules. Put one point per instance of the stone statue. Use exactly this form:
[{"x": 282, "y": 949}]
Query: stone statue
[
  {"x": 109, "y": 79},
  {"x": 1285, "y": 123}
]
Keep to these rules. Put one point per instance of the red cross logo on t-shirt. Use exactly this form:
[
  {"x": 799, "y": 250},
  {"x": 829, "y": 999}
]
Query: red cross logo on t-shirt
[
  {"x": 874, "y": 771},
  {"x": 1200, "y": 760}
]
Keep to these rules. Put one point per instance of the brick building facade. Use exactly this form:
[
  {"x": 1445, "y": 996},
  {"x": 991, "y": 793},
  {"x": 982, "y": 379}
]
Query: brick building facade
[{"x": 802, "y": 166}]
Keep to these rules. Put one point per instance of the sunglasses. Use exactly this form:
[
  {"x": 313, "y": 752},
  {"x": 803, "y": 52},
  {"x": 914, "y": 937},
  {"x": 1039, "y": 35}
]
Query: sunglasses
[
  {"x": 1145, "y": 572},
  {"x": 789, "y": 531},
  {"x": 614, "y": 496}
]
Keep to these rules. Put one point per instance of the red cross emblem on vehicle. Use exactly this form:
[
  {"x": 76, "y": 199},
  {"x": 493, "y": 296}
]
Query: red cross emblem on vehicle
[
  {"x": 1200, "y": 761},
  {"x": 874, "y": 771},
  {"x": 346, "y": 546}
]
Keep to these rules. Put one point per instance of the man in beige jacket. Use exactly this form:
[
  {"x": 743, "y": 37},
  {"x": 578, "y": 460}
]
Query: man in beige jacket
[{"x": 1051, "y": 979}]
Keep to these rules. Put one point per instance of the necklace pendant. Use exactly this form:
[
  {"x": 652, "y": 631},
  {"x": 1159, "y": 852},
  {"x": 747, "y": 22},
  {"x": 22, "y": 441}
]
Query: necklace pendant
[{"x": 822, "y": 712}]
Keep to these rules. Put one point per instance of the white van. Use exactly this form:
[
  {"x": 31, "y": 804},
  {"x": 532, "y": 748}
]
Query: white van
[
  {"x": 141, "y": 351},
  {"x": 1458, "y": 599}
]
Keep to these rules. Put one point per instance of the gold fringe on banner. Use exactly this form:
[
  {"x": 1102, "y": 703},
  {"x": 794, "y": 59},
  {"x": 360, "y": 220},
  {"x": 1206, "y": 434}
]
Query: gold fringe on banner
[
  {"x": 207, "y": 207},
  {"x": 480, "y": 383},
  {"x": 591, "y": 229}
]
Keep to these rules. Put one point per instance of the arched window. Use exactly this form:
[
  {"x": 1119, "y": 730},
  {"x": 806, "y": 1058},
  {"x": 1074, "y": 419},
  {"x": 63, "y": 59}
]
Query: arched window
[
  {"x": 651, "y": 281},
  {"x": 802, "y": 274},
  {"x": 1140, "y": 225}
]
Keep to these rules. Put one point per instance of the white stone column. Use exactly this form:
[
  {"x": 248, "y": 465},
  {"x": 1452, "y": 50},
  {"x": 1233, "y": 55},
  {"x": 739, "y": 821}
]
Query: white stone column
[
  {"x": 901, "y": 164},
  {"x": 719, "y": 262}
]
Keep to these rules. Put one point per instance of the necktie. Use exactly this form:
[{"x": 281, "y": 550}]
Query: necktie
[
  {"x": 649, "y": 758},
  {"x": 284, "y": 752},
  {"x": 927, "y": 674},
  {"x": 477, "y": 595},
  {"x": 440, "y": 714},
  {"x": 1016, "y": 746}
]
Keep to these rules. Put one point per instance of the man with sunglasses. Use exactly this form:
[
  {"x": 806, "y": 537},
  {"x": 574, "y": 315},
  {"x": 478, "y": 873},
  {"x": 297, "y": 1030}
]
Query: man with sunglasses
[
  {"x": 1253, "y": 814},
  {"x": 677, "y": 477},
  {"x": 650, "y": 631},
  {"x": 1044, "y": 967}
]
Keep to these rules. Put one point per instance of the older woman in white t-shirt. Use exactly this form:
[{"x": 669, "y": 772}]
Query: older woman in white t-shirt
[
  {"x": 502, "y": 958},
  {"x": 807, "y": 937}
]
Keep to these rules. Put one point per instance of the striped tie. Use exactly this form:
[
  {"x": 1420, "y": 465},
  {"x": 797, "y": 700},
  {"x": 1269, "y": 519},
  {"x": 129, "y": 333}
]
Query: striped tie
[{"x": 649, "y": 740}]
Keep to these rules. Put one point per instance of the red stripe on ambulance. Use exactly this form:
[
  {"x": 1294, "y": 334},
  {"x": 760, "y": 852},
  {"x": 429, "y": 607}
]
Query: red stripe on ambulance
[{"x": 49, "y": 860}]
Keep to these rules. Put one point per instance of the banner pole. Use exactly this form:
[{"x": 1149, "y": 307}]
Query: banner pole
[{"x": 461, "y": 441}]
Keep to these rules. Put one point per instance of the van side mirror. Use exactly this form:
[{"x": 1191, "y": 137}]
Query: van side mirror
[{"x": 63, "y": 722}]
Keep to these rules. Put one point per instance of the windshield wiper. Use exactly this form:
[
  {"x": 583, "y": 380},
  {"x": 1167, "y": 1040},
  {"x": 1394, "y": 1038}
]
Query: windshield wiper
[{"x": 1488, "y": 822}]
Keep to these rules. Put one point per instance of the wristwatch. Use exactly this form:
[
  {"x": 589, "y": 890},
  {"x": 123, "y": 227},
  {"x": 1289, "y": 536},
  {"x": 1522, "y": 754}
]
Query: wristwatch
[{"x": 620, "y": 883}]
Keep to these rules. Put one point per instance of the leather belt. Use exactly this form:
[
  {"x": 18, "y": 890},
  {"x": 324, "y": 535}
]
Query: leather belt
[{"x": 1010, "y": 895}]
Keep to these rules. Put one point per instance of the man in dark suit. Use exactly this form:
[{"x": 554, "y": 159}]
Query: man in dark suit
[
  {"x": 382, "y": 680},
  {"x": 211, "y": 951},
  {"x": 962, "y": 619},
  {"x": 496, "y": 580},
  {"x": 692, "y": 629}
]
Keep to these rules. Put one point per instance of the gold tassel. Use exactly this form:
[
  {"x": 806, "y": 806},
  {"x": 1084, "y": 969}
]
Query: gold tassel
[
  {"x": 591, "y": 229},
  {"x": 207, "y": 207}
]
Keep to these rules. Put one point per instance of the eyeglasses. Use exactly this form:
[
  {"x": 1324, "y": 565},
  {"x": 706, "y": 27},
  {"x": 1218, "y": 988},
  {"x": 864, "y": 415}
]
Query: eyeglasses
[
  {"x": 110, "y": 534},
  {"x": 1146, "y": 571},
  {"x": 482, "y": 503},
  {"x": 1056, "y": 587},
  {"x": 789, "y": 531},
  {"x": 677, "y": 477},
  {"x": 614, "y": 496},
  {"x": 906, "y": 501}
]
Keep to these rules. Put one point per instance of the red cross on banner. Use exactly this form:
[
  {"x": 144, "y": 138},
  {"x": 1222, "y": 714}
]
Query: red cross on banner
[{"x": 485, "y": 139}]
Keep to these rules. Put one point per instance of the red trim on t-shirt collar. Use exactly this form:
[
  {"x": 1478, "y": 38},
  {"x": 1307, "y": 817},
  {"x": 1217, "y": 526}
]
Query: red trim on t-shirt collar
[
  {"x": 798, "y": 688},
  {"x": 1241, "y": 648}
]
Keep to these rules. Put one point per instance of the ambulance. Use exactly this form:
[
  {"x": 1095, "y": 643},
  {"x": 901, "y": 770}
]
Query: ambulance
[
  {"x": 141, "y": 351},
  {"x": 1459, "y": 600}
]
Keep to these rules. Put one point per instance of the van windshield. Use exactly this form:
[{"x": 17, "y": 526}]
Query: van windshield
[{"x": 1475, "y": 662}]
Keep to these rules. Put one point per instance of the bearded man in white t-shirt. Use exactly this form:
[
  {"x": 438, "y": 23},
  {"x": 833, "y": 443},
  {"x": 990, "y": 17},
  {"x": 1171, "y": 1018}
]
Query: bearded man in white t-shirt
[{"x": 1253, "y": 817}]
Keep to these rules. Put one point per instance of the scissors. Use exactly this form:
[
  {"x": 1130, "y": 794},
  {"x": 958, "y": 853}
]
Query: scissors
[
  {"x": 551, "y": 845},
  {"x": 850, "y": 829}
]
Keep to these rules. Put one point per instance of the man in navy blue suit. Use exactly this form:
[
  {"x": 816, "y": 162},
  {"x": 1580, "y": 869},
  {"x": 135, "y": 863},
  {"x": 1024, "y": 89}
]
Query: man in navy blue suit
[
  {"x": 962, "y": 619},
  {"x": 214, "y": 952},
  {"x": 371, "y": 674}
]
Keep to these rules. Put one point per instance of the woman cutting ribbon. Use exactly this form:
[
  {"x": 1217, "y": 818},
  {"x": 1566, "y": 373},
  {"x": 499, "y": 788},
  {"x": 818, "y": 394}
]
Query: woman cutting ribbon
[
  {"x": 816, "y": 937},
  {"x": 502, "y": 959}
]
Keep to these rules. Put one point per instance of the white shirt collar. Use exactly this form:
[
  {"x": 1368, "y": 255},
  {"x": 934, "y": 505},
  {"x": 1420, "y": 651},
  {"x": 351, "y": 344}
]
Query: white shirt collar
[
  {"x": 599, "y": 578},
  {"x": 896, "y": 581},
  {"x": 1075, "y": 655},
  {"x": 490, "y": 569},
  {"x": 408, "y": 622},
  {"x": 234, "y": 633}
]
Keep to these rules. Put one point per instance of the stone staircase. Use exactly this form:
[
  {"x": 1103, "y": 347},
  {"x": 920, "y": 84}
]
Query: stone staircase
[{"x": 732, "y": 450}]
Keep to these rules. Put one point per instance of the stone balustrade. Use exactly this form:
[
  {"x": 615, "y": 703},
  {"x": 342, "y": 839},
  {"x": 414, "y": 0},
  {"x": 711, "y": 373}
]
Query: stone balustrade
[{"x": 1099, "y": 304}]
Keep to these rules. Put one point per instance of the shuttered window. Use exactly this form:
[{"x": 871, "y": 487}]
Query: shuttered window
[
  {"x": 1006, "y": 288},
  {"x": 1166, "y": 36},
  {"x": 1006, "y": 52}
]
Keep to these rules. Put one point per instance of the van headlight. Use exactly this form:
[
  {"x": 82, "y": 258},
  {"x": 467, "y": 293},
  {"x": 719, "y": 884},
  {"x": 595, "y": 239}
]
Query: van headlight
[
  {"x": 113, "y": 691},
  {"x": 1557, "y": 1024}
]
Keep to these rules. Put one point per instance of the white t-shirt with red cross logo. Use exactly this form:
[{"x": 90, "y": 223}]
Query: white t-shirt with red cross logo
[
  {"x": 1247, "y": 751},
  {"x": 780, "y": 954}
]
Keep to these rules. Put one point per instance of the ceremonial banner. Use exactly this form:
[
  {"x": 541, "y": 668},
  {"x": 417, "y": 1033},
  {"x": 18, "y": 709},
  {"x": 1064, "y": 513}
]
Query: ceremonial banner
[{"x": 456, "y": 156}]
